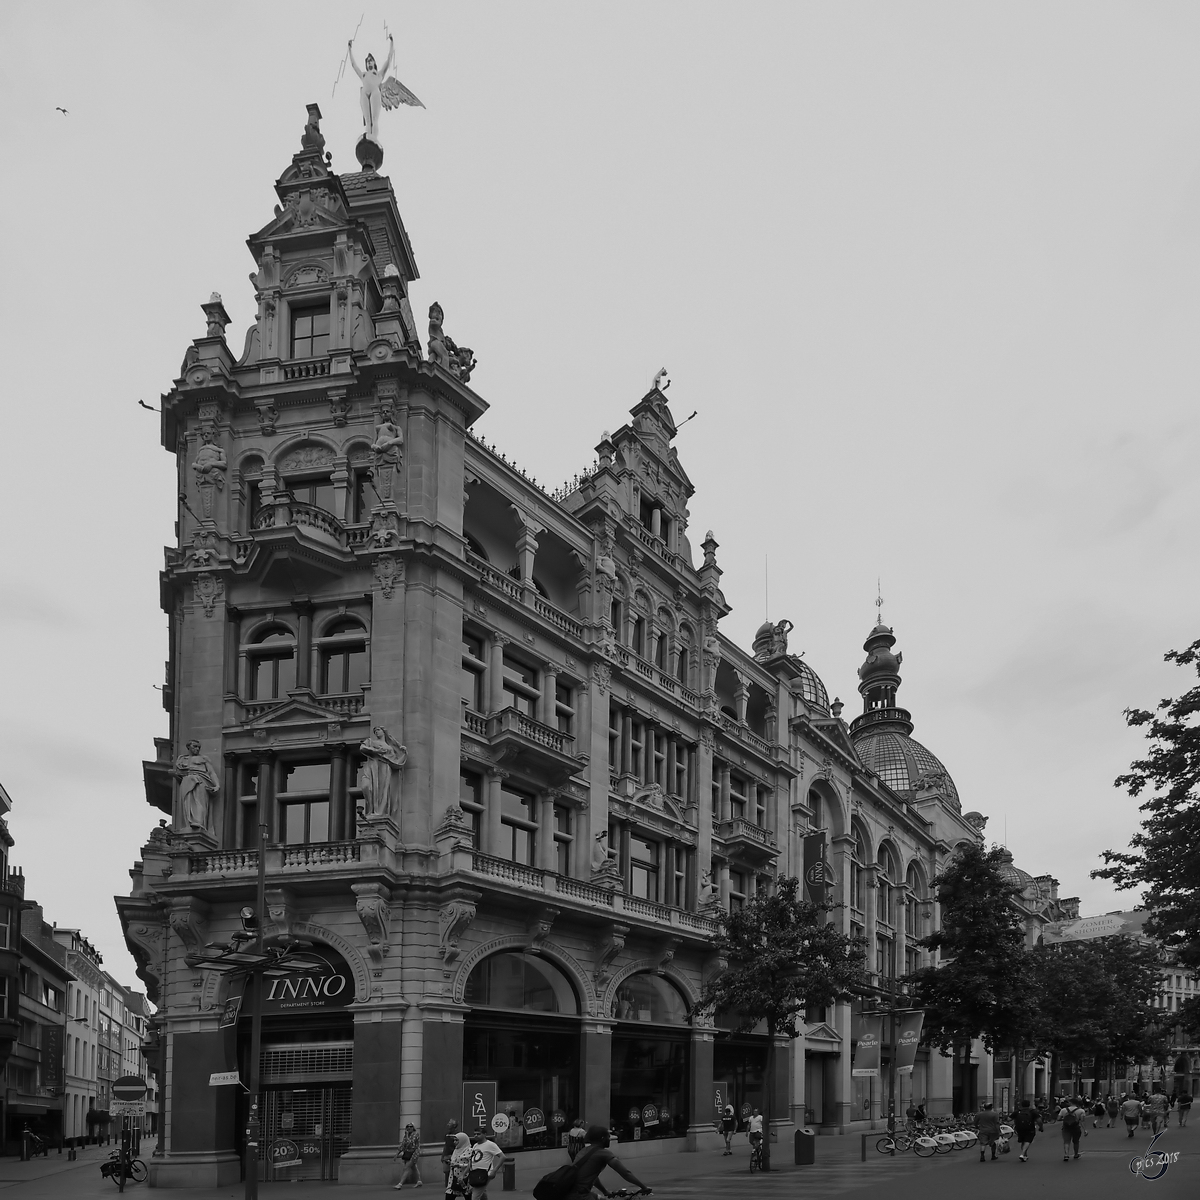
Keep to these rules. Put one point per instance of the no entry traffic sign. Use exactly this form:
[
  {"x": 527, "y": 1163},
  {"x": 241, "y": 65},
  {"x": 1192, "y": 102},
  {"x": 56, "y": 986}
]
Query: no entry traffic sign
[{"x": 129, "y": 1087}]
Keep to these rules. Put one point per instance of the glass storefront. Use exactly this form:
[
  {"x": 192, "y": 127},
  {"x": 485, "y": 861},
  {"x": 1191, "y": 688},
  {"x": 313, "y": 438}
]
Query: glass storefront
[
  {"x": 740, "y": 1062},
  {"x": 523, "y": 1035},
  {"x": 651, "y": 1060}
]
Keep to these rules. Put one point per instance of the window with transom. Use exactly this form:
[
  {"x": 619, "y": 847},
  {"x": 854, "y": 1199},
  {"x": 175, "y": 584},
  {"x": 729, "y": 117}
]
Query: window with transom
[
  {"x": 304, "y": 802},
  {"x": 310, "y": 331},
  {"x": 271, "y": 664},
  {"x": 474, "y": 664},
  {"x": 343, "y": 651},
  {"x": 518, "y": 824},
  {"x": 520, "y": 687},
  {"x": 644, "y": 865}
]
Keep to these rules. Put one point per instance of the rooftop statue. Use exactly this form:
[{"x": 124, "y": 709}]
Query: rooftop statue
[{"x": 390, "y": 92}]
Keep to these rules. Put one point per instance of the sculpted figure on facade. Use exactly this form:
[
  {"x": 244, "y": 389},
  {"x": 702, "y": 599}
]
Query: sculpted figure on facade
[
  {"x": 209, "y": 466},
  {"x": 197, "y": 783},
  {"x": 438, "y": 350},
  {"x": 384, "y": 755},
  {"x": 377, "y": 91},
  {"x": 387, "y": 452}
]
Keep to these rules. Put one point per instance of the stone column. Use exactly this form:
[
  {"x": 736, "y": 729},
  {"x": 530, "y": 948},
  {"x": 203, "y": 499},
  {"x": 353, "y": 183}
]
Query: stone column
[
  {"x": 493, "y": 830},
  {"x": 496, "y": 673},
  {"x": 702, "y": 793},
  {"x": 549, "y": 695},
  {"x": 702, "y": 1134},
  {"x": 376, "y": 1099},
  {"x": 441, "y": 1074},
  {"x": 596, "y": 1061},
  {"x": 546, "y": 856},
  {"x": 339, "y": 801},
  {"x": 723, "y": 813}
]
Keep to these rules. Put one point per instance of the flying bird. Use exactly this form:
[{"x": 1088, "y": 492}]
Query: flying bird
[{"x": 61, "y": 110}]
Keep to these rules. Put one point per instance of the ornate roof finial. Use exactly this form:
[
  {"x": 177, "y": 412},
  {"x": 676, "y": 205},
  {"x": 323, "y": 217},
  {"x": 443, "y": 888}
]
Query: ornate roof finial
[
  {"x": 878, "y": 600},
  {"x": 375, "y": 91}
]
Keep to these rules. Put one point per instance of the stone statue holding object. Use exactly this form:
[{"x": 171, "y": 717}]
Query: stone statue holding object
[
  {"x": 197, "y": 782},
  {"x": 383, "y": 755}
]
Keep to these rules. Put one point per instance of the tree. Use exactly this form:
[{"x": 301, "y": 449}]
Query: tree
[
  {"x": 983, "y": 987},
  {"x": 780, "y": 956},
  {"x": 1164, "y": 856},
  {"x": 1095, "y": 999}
]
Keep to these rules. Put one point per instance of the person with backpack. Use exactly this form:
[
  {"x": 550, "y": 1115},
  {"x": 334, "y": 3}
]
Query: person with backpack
[
  {"x": 1026, "y": 1121},
  {"x": 1072, "y": 1128},
  {"x": 1112, "y": 1108},
  {"x": 576, "y": 1180}
]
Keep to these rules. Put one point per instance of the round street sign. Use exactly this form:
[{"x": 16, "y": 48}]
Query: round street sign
[{"x": 129, "y": 1087}]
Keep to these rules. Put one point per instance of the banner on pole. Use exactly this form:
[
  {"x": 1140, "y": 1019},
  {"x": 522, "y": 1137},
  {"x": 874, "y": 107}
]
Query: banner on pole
[
  {"x": 906, "y": 1042},
  {"x": 866, "y": 1053},
  {"x": 817, "y": 876}
]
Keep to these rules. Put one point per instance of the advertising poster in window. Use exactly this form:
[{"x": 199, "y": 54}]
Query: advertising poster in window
[
  {"x": 53, "y": 1078},
  {"x": 478, "y": 1107},
  {"x": 866, "y": 1053}
]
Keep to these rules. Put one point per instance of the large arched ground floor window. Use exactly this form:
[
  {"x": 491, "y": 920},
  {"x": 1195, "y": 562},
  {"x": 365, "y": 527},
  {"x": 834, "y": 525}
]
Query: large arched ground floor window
[
  {"x": 523, "y": 1036},
  {"x": 651, "y": 1060}
]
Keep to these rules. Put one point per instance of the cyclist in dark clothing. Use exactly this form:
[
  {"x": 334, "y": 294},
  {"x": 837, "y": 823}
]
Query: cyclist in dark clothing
[{"x": 593, "y": 1159}]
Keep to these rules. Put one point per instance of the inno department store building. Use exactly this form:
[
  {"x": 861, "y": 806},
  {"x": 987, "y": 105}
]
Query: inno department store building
[{"x": 509, "y": 766}]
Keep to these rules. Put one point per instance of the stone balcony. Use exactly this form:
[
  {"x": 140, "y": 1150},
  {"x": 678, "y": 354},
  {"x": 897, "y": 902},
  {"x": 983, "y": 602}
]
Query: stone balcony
[
  {"x": 751, "y": 841},
  {"x": 520, "y": 739}
]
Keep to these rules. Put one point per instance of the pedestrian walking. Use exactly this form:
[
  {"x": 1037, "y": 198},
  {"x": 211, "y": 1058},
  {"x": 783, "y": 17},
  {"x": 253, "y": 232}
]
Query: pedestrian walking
[
  {"x": 1072, "y": 1127},
  {"x": 575, "y": 1136},
  {"x": 1097, "y": 1114},
  {"x": 1170, "y": 1105},
  {"x": 410, "y": 1154},
  {"x": 1026, "y": 1121},
  {"x": 1159, "y": 1107},
  {"x": 1131, "y": 1110},
  {"x": 457, "y": 1187},
  {"x": 728, "y": 1128},
  {"x": 486, "y": 1160},
  {"x": 448, "y": 1147},
  {"x": 987, "y": 1123},
  {"x": 1113, "y": 1108},
  {"x": 1185, "y": 1107}
]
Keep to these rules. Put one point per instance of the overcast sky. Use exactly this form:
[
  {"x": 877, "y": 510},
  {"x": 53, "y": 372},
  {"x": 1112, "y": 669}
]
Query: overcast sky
[{"x": 927, "y": 272}]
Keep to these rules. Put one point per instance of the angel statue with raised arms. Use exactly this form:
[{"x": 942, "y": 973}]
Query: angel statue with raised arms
[
  {"x": 382, "y": 755},
  {"x": 375, "y": 90}
]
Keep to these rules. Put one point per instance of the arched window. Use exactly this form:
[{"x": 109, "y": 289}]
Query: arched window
[
  {"x": 914, "y": 918},
  {"x": 646, "y": 997},
  {"x": 858, "y": 888},
  {"x": 521, "y": 981},
  {"x": 886, "y": 882},
  {"x": 616, "y": 618},
  {"x": 343, "y": 650},
  {"x": 271, "y": 664},
  {"x": 683, "y": 663},
  {"x": 638, "y": 646}
]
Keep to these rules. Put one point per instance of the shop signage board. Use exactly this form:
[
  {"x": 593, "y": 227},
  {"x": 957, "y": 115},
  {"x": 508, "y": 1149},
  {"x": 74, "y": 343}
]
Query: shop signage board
[
  {"x": 230, "y": 1011},
  {"x": 866, "y": 1053},
  {"x": 722, "y": 1095},
  {"x": 478, "y": 1106},
  {"x": 534, "y": 1120},
  {"x": 817, "y": 877},
  {"x": 329, "y": 985},
  {"x": 53, "y": 1062},
  {"x": 127, "y": 1108},
  {"x": 221, "y": 1078}
]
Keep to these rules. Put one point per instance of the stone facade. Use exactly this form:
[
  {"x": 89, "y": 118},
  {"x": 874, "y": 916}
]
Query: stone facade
[{"x": 508, "y": 765}]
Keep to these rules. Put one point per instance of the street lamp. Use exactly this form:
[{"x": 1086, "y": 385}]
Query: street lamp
[{"x": 263, "y": 960}]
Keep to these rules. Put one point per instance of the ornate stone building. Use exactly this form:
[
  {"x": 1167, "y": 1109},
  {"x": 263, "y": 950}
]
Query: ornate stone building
[{"x": 508, "y": 764}]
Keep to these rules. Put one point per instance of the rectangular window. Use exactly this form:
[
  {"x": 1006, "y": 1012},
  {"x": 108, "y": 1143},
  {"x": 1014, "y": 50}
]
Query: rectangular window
[
  {"x": 678, "y": 892},
  {"x": 643, "y": 867},
  {"x": 274, "y": 676},
  {"x": 520, "y": 687},
  {"x": 364, "y": 497},
  {"x": 5, "y": 916},
  {"x": 470, "y": 800},
  {"x": 310, "y": 331},
  {"x": 563, "y": 837},
  {"x": 304, "y": 803},
  {"x": 737, "y": 797},
  {"x": 519, "y": 826},
  {"x": 681, "y": 771},
  {"x": 760, "y": 806},
  {"x": 637, "y": 746},
  {"x": 564, "y": 707},
  {"x": 614, "y": 740},
  {"x": 473, "y": 667},
  {"x": 317, "y": 492},
  {"x": 658, "y": 743},
  {"x": 737, "y": 890},
  {"x": 51, "y": 997}
]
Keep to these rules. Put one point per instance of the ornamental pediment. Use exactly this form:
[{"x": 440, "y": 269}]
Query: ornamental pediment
[
  {"x": 301, "y": 711},
  {"x": 821, "y": 1032}
]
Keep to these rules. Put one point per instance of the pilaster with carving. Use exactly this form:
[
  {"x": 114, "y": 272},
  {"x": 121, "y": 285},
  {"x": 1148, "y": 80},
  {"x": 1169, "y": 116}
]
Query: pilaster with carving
[
  {"x": 371, "y": 900},
  {"x": 608, "y": 946}
]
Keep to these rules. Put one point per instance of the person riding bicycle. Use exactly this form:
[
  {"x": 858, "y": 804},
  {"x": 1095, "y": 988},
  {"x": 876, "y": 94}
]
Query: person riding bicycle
[
  {"x": 592, "y": 1160},
  {"x": 754, "y": 1127}
]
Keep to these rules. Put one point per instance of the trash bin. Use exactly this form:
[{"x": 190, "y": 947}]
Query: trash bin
[
  {"x": 806, "y": 1147},
  {"x": 509, "y": 1179}
]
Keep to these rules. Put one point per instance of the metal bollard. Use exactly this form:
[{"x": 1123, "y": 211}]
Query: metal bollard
[{"x": 509, "y": 1183}]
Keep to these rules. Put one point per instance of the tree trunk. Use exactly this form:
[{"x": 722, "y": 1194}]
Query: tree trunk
[{"x": 770, "y": 1086}]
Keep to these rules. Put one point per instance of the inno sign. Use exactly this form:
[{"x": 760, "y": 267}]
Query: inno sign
[{"x": 328, "y": 988}]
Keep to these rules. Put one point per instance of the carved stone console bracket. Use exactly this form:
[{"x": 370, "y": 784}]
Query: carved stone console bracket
[
  {"x": 188, "y": 916},
  {"x": 281, "y": 911},
  {"x": 372, "y": 902},
  {"x": 454, "y": 919},
  {"x": 609, "y": 944},
  {"x": 666, "y": 951},
  {"x": 538, "y": 927}
]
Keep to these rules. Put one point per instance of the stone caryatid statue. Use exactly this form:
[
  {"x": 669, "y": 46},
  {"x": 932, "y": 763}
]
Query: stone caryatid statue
[
  {"x": 376, "y": 91},
  {"x": 387, "y": 452},
  {"x": 197, "y": 783},
  {"x": 209, "y": 466},
  {"x": 383, "y": 755}
]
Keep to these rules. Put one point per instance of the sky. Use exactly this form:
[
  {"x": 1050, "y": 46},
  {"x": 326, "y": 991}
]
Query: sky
[{"x": 927, "y": 273}]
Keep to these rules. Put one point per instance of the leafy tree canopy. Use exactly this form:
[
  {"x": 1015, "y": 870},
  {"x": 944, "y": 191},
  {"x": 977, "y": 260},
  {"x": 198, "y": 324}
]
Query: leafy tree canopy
[
  {"x": 983, "y": 987},
  {"x": 1164, "y": 856},
  {"x": 782, "y": 956}
]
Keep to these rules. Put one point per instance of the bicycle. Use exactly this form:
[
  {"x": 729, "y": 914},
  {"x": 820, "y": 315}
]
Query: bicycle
[
  {"x": 135, "y": 1169},
  {"x": 899, "y": 1142},
  {"x": 756, "y": 1158}
]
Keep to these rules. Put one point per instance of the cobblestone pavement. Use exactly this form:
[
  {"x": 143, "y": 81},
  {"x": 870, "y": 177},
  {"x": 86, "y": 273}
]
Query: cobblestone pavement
[{"x": 1102, "y": 1172}]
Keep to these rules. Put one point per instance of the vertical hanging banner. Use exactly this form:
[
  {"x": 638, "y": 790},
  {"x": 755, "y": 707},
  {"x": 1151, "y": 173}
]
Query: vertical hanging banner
[
  {"x": 866, "y": 1053},
  {"x": 817, "y": 876},
  {"x": 53, "y": 1077},
  {"x": 907, "y": 1040}
]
